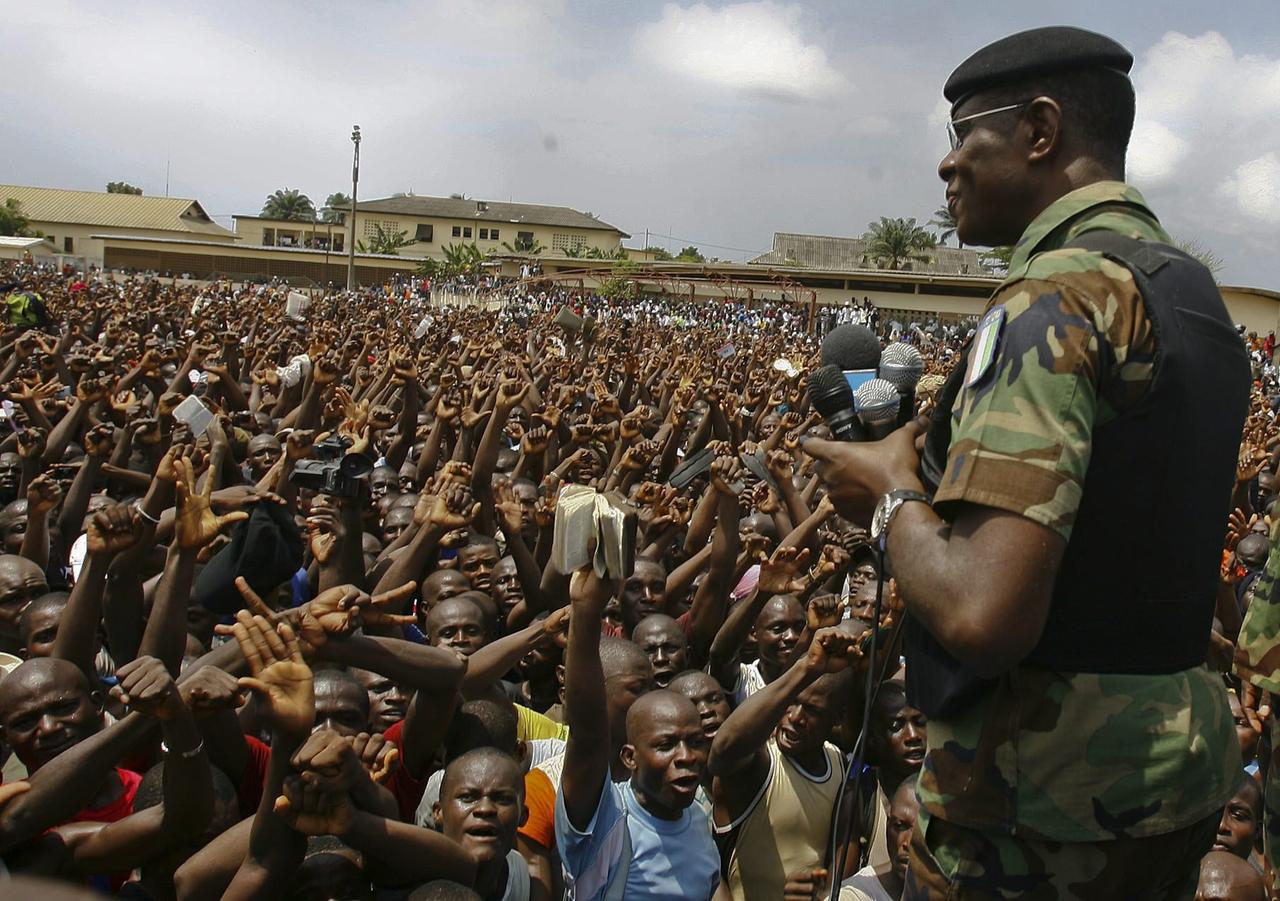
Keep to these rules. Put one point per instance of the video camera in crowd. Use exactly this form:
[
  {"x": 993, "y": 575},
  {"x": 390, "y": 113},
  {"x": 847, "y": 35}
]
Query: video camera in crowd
[{"x": 335, "y": 471}]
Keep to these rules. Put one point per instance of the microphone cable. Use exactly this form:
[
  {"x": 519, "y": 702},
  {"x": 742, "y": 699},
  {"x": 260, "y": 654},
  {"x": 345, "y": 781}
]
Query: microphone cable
[{"x": 840, "y": 849}]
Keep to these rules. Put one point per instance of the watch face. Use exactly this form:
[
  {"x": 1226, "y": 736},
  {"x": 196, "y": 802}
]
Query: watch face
[{"x": 877, "y": 518}]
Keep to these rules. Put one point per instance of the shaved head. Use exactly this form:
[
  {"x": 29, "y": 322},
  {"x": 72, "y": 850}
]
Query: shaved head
[
  {"x": 659, "y": 707},
  {"x": 619, "y": 656},
  {"x": 1225, "y": 877}
]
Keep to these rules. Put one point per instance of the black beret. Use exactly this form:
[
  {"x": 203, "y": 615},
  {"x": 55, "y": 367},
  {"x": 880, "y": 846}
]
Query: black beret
[{"x": 1040, "y": 51}]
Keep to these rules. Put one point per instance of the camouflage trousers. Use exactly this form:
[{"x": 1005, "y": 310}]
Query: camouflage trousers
[{"x": 953, "y": 862}]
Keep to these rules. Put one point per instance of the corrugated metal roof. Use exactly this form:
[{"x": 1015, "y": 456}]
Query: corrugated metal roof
[
  {"x": 486, "y": 211},
  {"x": 842, "y": 254},
  {"x": 101, "y": 209},
  {"x": 10, "y": 241}
]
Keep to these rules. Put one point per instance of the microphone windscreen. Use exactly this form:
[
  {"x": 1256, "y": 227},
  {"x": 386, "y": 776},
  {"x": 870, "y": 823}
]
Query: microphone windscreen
[
  {"x": 829, "y": 392},
  {"x": 851, "y": 347},
  {"x": 877, "y": 402},
  {"x": 902, "y": 365}
]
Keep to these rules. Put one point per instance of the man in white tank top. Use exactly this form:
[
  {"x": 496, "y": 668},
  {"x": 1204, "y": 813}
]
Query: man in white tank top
[{"x": 777, "y": 777}]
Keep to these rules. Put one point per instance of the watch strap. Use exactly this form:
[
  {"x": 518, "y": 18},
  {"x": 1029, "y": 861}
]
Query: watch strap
[{"x": 893, "y": 500}]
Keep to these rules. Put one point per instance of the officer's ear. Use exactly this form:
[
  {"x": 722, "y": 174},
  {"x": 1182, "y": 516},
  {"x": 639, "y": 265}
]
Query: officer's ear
[{"x": 1042, "y": 125}]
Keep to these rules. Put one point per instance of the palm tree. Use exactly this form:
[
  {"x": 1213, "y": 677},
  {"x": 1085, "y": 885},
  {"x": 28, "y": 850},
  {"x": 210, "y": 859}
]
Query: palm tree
[
  {"x": 335, "y": 210},
  {"x": 532, "y": 248},
  {"x": 945, "y": 221},
  {"x": 13, "y": 222},
  {"x": 892, "y": 242},
  {"x": 997, "y": 258},
  {"x": 385, "y": 241},
  {"x": 1201, "y": 252},
  {"x": 461, "y": 259},
  {"x": 291, "y": 204}
]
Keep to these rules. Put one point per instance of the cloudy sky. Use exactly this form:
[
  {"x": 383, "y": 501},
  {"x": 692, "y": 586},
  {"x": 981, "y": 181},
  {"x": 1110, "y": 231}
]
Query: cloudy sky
[{"x": 714, "y": 124}]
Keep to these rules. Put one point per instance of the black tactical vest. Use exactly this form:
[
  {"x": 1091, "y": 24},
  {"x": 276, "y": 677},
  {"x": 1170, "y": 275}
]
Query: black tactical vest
[{"x": 1136, "y": 589}]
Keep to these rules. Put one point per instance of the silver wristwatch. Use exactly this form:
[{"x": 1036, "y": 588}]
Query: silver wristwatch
[{"x": 886, "y": 509}]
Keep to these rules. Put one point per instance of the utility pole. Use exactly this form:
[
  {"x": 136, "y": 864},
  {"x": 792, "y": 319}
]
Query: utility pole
[{"x": 351, "y": 227}]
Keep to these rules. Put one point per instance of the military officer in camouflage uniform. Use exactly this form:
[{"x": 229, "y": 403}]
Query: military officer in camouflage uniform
[{"x": 1078, "y": 747}]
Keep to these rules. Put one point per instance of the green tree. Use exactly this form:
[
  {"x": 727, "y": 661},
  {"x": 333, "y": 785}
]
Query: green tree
[
  {"x": 659, "y": 253},
  {"x": 13, "y": 222},
  {"x": 122, "y": 187},
  {"x": 617, "y": 253},
  {"x": 997, "y": 258},
  {"x": 690, "y": 254},
  {"x": 531, "y": 248},
  {"x": 385, "y": 241},
  {"x": 289, "y": 203},
  {"x": 458, "y": 260},
  {"x": 336, "y": 207},
  {"x": 893, "y": 242},
  {"x": 945, "y": 221}
]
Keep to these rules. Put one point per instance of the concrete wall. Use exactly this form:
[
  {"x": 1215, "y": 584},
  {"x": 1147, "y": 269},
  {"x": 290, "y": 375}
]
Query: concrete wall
[{"x": 1258, "y": 310}]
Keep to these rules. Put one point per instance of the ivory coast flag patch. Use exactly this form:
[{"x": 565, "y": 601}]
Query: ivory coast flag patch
[{"x": 985, "y": 342}]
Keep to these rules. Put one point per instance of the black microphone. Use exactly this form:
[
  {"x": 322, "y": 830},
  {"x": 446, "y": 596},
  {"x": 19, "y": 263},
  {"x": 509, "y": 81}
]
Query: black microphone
[
  {"x": 877, "y": 403},
  {"x": 831, "y": 396},
  {"x": 902, "y": 365},
  {"x": 854, "y": 350}
]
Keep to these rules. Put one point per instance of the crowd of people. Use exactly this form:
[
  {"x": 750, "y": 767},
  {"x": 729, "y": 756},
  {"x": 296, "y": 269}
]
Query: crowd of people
[{"x": 316, "y": 645}]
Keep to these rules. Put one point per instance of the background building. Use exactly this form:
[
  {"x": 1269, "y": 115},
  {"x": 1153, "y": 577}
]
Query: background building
[
  {"x": 426, "y": 225},
  {"x": 75, "y": 222}
]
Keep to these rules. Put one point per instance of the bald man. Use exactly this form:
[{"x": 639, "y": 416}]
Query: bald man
[
  {"x": 21, "y": 582},
  {"x": 644, "y": 837},
  {"x": 1225, "y": 877},
  {"x": 664, "y": 642}
]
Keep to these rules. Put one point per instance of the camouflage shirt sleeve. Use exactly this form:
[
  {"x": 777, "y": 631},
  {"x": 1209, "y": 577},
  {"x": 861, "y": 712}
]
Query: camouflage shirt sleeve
[
  {"x": 1073, "y": 349},
  {"x": 1258, "y": 655}
]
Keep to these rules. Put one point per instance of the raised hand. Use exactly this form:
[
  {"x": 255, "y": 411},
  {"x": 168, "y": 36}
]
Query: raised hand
[
  {"x": 455, "y": 472},
  {"x": 325, "y": 371},
  {"x": 535, "y": 441},
  {"x": 210, "y": 690},
  {"x": 780, "y": 573},
  {"x": 550, "y": 416},
  {"x": 832, "y": 651},
  {"x": 511, "y": 394},
  {"x": 100, "y": 440},
  {"x": 454, "y": 508},
  {"x": 832, "y": 559},
  {"x": 43, "y": 494},
  {"x": 196, "y": 524},
  {"x": 277, "y": 672},
  {"x": 727, "y": 475},
  {"x": 113, "y": 529},
  {"x": 322, "y": 533},
  {"x": 32, "y": 443},
  {"x": 780, "y": 464},
  {"x": 507, "y": 505},
  {"x": 824, "y": 610},
  {"x": 145, "y": 686},
  {"x": 298, "y": 444},
  {"x": 311, "y": 810}
]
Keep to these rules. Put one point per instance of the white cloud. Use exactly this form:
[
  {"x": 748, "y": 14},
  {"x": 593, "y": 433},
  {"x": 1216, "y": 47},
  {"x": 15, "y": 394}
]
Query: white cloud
[
  {"x": 1208, "y": 117},
  {"x": 1255, "y": 188},
  {"x": 753, "y": 47},
  {"x": 1154, "y": 152}
]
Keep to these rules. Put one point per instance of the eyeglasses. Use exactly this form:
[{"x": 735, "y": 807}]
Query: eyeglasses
[{"x": 955, "y": 138}]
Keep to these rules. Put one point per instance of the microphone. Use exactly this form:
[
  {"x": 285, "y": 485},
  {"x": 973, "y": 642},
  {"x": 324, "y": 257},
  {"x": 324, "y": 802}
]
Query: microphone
[
  {"x": 854, "y": 350},
  {"x": 901, "y": 365},
  {"x": 832, "y": 397},
  {"x": 877, "y": 403}
]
